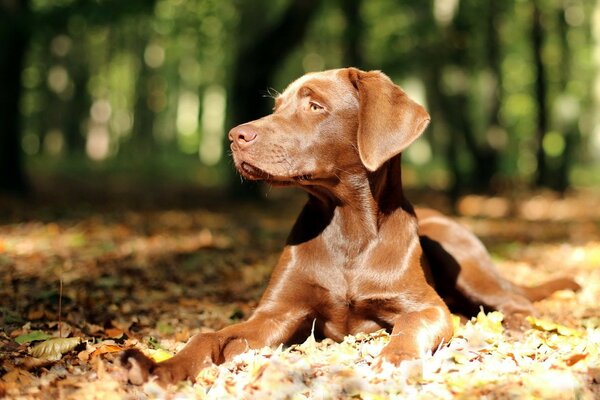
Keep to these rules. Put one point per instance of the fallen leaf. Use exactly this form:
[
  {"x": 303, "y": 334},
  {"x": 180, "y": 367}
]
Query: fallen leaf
[
  {"x": 19, "y": 377},
  {"x": 491, "y": 322},
  {"x": 160, "y": 355},
  {"x": 114, "y": 332},
  {"x": 548, "y": 326},
  {"x": 35, "y": 314},
  {"x": 455, "y": 322},
  {"x": 106, "y": 348},
  {"x": 84, "y": 355},
  {"x": 575, "y": 358},
  {"x": 32, "y": 337},
  {"x": 53, "y": 349},
  {"x": 31, "y": 363}
]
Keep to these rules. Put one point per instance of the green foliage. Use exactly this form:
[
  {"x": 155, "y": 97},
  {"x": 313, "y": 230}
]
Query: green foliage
[
  {"x": 116, "y": 80},
  {"x": 32, "y": 337}
]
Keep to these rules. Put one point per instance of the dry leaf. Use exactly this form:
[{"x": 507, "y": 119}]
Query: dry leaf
[
  {"x": 575, "y": 358},
  {"x": 114, "y": 332},
  {"x": 53, "y": 349},
  {"x": 19, "y": 376},
  {"x": 481, "y": 361},
  {"x": 106, "y": 348}
]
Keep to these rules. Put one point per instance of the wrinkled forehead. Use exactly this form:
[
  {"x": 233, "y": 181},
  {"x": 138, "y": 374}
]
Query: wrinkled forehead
[{"x": 332, "y": 85}]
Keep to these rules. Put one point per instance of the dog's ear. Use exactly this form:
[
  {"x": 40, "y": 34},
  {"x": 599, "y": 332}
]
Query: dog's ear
[{"x": 388, "y": 120}]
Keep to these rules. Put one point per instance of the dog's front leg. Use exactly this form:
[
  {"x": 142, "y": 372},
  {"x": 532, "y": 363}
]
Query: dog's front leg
[
  {"x": 417, "y": 332},
  {"x": 265, "y": 328}
]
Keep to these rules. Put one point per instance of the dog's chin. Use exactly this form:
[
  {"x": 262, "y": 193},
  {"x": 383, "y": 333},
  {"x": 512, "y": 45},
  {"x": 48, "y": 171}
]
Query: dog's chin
[{"x": 253, "y": 173}]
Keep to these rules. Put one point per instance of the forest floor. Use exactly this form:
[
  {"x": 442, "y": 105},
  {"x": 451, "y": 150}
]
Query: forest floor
[{"x": 82, "y": 280}]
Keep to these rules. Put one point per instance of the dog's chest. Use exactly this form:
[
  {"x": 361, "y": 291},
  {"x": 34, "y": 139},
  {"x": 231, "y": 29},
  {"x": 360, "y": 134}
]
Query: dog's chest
[
  {"x": 346, "y": 302},
  {"x": 355, "y": 287},
  {"x": 342, "y": 314}
]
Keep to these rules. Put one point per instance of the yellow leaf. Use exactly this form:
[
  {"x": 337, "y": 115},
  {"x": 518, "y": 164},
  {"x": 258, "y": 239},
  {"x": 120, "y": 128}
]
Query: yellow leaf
[
  {"x": 455, "y": 322},
  {"x": 491, "y": 322},
  {"x": 460, "y": 358},
  {"x": 160, "y": 355},
  {"x": 548, "y": 326}
]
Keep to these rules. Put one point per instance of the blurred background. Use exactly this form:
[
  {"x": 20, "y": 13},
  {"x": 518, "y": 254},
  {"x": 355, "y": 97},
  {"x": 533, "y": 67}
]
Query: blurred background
[
  {"x": 121, "y": 214},
  {"x": 130, "y": 95}
]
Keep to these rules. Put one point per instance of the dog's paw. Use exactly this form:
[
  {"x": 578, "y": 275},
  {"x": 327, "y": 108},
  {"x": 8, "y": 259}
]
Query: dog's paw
[
  {"x": 141, "y": 368},
  {"x": 392, "y": 357},
  {"x": 138, "y": 365},
  {"x": 407, "y": 364}
]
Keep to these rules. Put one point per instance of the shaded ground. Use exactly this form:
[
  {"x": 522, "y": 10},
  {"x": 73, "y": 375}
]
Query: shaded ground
[{"x": 149, "y": 270}]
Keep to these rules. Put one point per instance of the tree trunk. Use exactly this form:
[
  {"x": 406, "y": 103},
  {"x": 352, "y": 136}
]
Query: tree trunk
[
  {"x": 256, "y": 64},
  {"x": 537, "y": 38},
  {"x": 485, "y": 158},
  {"x": 79, "y": 105},
  {"x": 494, "y": 59},
  {"x": 14, "y": 39},
  {"x": 453, "y": 50},
  {"x": 444, "y": 113},
  {"x": 142, "y": 137},
  {"x": 569, "y": 127},
  {"x": 353, "y": 33}
]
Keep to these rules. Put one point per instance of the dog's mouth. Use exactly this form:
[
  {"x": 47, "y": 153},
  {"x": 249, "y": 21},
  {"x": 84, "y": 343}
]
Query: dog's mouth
[{"x": 253, "y": 173}]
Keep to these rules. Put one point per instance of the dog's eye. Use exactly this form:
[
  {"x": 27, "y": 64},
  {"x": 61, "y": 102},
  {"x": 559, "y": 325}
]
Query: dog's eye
[{"x": 315, "y": 107}]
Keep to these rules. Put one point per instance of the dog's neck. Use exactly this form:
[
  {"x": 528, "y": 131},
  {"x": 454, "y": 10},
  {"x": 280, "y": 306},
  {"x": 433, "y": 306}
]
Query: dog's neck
[
  {"x": 386, "y": 188},
  {"x": 358, "y": 205}
]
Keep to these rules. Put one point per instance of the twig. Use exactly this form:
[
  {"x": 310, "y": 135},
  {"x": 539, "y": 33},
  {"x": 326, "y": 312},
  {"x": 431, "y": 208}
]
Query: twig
[{"x": 60, "y": 292}]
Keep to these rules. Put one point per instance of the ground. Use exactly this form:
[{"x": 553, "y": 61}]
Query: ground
[{"x": 83, "y": 280}]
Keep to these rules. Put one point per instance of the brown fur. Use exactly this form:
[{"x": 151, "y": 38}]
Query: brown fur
[{"x": 359, "y": 258}]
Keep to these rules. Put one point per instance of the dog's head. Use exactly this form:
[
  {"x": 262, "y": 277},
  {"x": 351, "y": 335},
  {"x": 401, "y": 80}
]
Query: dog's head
[{"x": 328, "y": 124}]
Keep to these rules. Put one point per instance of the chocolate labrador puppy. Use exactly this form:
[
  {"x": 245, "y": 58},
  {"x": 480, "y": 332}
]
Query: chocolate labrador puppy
[{"x": 359, "y": 257}]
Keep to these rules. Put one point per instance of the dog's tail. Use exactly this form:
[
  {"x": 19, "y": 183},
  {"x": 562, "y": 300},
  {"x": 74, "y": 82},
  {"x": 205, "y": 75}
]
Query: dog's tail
[{"x": 539, "y": 292}]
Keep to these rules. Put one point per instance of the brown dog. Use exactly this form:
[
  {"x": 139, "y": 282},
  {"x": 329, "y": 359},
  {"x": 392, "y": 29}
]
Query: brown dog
[{"x": 359, "y": 258}]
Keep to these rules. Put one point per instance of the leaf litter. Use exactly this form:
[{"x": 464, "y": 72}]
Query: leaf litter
[{"x": 152, "y": 278}]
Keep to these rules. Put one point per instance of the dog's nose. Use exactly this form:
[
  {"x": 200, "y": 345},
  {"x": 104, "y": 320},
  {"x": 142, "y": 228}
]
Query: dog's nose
[{"x": 242, "y": 135}]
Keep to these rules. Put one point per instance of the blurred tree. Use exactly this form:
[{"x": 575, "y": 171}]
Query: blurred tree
[
  {"x": 79, "y": 105},
  {"x": 143, "y": 116},
  {"x": 14, "y": 38},
  {"x": 450, "y": 63},
  {"x": 494, "y": 58},
  {"x": 353, "y": 34},
  {"x": 17, "y": 24},
  {"x": 257, "y": 61},
  {"x": 542, "y": 177},
  {"x": 463, "y": 29},
  {"x": 567, "y": 123},
  {"x": 504, "y": 80}
]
